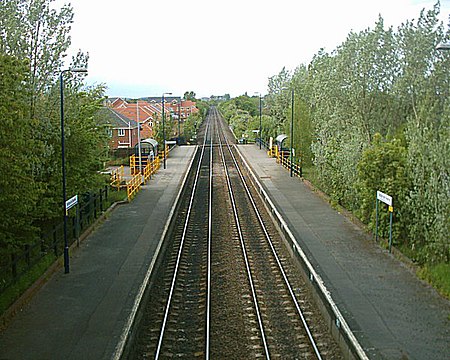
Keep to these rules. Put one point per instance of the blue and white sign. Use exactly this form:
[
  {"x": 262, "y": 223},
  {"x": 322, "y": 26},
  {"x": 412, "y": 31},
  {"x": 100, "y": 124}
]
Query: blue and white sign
[
  {"x": 71, "y": 202},
  {"x": 384, "y": 198}
]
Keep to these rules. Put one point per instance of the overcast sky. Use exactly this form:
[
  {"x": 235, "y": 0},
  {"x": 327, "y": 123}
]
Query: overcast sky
[{"x": 146, "y": 47}]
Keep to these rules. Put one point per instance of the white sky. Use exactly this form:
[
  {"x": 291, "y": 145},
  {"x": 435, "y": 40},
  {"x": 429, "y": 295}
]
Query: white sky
[{"x": 146, "y": 47}]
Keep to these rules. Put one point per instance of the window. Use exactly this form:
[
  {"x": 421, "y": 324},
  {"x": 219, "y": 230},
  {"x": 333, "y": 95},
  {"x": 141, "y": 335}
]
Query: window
[{"x": 121, "y": 132}]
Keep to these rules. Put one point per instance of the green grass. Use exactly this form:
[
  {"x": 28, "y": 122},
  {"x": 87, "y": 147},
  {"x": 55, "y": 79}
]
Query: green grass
[
  {"x": 119, "y": 161},
  {"x": 438, "y": 276},
  {"x": 114, "y": 195},
  {"x": 16, "y": 290}
]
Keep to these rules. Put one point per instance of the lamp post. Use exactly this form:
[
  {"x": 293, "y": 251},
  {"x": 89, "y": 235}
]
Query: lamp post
[
  {"x": 164, "y": 131},
  {"x": 139, "y": 136},
  {"x": 260, "y": 119},
  {"x": 63, "y": 163},
  {"x": 292, "y": 129},
  {"x": 179, "y": 120}
]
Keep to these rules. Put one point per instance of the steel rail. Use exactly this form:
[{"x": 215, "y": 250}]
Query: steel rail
[
  {"x": 180, "y": 250},
  {"x": 244, "y": 251},
  {"x": 208, "y": 285},
  {"x": 269, "y": 240}
]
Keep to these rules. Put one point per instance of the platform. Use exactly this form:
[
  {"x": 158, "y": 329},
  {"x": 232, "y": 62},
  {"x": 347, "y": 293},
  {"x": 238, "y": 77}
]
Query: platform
[
  {"x": 392, "y": 313},
  {"x": 81, "y": 315}
]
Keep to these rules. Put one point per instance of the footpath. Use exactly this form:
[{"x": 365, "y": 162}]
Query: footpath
[
  {"x": 82, "y": 315},
  {"x": 392, "y": 314}
]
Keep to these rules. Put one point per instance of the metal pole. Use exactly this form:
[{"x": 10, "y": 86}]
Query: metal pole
[
  {"x": 63, "y": 168},
  {"x": 179, "y": 126},
  {"x": 63, "y": 163},
  {"x": 164, "y": 133},
  {"x": 139, "y": 136},
  {"x": 390, "y": 231},
  {"x": 376, "y": 226},
  {"x": 292, "y": 130},
  {"x": 260, "y": 123}
]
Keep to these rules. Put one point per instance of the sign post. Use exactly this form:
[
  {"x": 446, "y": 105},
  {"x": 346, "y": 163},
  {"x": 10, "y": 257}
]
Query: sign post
[
  {"x": 388, "y": 201},
  {"x": 71, "y": 203}
]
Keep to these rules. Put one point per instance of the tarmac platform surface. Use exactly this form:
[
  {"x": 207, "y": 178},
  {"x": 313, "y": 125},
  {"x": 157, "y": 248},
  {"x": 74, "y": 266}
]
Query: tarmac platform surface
[
  {"x": 82, "y": 315},
  {"x": 392, "y": 313}
]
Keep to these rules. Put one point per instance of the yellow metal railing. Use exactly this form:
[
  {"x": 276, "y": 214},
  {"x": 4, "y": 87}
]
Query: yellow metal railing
[
  {"x": 133, "y": 186},
  {"x": 283, "y": 158},
  {"x": 272, "y": 152},
  {"x": 134, "y": 164},
  {"x": 151, "y": 168},
  {"x": 161, "y": 153},
  {"x": 116, "y": 177}
]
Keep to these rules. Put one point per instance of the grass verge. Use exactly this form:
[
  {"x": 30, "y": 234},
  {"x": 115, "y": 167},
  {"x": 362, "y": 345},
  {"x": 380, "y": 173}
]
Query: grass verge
[{"x": 438, "y": 276}]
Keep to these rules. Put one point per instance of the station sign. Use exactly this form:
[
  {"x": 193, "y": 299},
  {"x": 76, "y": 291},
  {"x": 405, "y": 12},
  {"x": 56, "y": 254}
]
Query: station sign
[
  {"x": 71, "y": 202},
  {"x": 384, "y": 198}
]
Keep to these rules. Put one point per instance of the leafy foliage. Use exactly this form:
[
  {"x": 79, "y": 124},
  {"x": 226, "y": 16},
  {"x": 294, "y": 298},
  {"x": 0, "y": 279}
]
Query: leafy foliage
[
  {"x": 383, "y": 166},
  {"x": 18, "y": 192},
  {"x": 374, "y": 114},
  {"x": 33, "y": 40}
]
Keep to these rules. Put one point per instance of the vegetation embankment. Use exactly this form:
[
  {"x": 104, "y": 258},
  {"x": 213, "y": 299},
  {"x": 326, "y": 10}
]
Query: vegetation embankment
[
  {"x": 373, "y": 114},
  {"x": 34, "y": 40}
]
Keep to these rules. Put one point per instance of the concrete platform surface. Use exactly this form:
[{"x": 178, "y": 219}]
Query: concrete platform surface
[
  {"x": 81, "y": 315},
  {"x": 392, "y": 313}
]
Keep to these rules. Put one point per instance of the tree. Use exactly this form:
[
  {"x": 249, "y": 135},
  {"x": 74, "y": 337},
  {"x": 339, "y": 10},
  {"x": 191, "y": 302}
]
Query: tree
[
  {"x": 36, "y": 31},
  {"x": 383, "y": 167},
  {"x": 19, "y": 193},
  {"x": 189, "y": 95}
]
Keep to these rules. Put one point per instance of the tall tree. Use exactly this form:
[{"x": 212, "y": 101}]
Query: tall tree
[
  {"x": 34, "y": 30},
  {"x": 18, "y": 191}
]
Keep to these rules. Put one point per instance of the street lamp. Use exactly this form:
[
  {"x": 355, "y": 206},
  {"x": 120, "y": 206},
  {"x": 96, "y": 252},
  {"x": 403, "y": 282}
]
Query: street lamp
[
  {"x": 63, "y": 163},
  {"x": 164, "y": 133},
  {"x": 179, "y": 120},
  {"x": 260, "y": 121},
  {"x": 292, "y": 129},
  {"x": 139, "y": 136}
]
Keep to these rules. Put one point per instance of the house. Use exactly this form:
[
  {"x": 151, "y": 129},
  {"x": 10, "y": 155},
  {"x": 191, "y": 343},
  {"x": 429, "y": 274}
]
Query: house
[
  {"x": 183, "y": 109},
  {"x": 122, "y": 130},
  {"x": 148, "y": 113}
]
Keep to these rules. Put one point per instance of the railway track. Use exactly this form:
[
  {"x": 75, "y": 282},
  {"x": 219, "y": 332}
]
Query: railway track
[{"x": 227, "y": 287}]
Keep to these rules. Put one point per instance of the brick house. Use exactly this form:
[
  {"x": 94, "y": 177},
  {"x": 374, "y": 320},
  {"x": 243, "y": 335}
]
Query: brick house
[
  {"x": 123, "y": 117},
  {"x": 122, "y": 130}
]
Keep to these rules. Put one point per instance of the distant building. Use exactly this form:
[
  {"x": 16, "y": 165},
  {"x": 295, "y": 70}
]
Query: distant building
[
  {"x": 149, "y": 110},
  {"x": 122, "y": 130}
]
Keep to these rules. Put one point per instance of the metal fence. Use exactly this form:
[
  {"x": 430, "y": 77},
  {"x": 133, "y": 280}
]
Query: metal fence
[{"x": 51, "y": 244}]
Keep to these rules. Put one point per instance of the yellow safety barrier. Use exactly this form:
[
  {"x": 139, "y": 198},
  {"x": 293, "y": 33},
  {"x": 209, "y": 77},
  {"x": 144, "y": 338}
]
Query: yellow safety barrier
[
  {"x": 151, "y": 168},
  {"x": 134, "y": 163},
  {"x": 116, "y": 177},
  {"x": 283, "y": 158},
  {"x": 161, "y": 153},
  {"x": 133, "y": 169},
  {"x": 272, "y": 152},
  {"x": 133, "y": 186}
]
